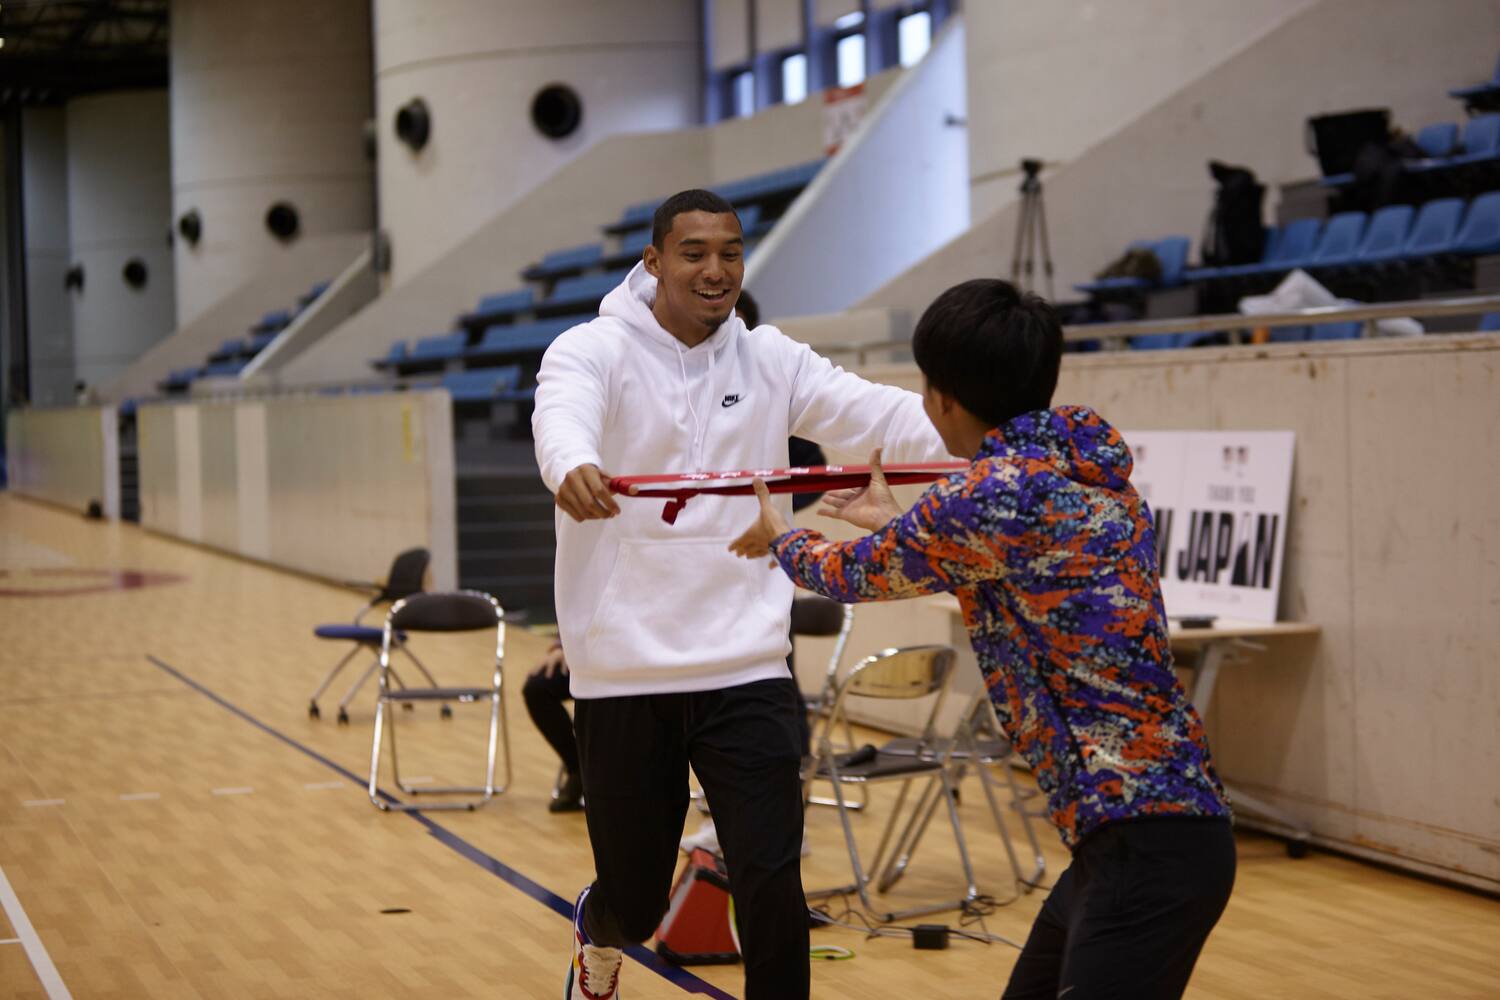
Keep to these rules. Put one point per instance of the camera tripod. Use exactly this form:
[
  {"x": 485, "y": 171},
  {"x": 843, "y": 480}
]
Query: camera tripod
[{"x": 1031, "y": 231}]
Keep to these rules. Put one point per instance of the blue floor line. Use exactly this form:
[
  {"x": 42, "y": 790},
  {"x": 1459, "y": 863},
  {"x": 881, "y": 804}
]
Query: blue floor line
[{"x": 562, "y": 907}]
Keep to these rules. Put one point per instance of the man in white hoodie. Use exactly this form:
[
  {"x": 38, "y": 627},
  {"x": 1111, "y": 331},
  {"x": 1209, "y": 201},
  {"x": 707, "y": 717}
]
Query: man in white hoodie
[{"x": 677, "y": 649}]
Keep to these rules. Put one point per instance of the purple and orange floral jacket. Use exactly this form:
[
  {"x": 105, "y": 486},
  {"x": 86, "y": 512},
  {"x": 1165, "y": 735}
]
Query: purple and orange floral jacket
[{"x": 1052, "y": 555}]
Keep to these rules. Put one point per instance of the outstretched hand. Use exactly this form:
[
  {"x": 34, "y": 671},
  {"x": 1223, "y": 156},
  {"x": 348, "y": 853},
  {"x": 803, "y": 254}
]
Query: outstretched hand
[
  {"x": 869, "y": 507},
  {"x": 755, "y": 543},
  {"x": 584, "y": 495}
]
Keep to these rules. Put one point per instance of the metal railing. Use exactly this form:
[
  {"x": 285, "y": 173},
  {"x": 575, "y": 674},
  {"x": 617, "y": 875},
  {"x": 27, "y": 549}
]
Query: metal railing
[{"x": 1114, "y": 335}]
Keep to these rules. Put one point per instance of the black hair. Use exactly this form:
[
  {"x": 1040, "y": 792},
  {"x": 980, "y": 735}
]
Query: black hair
[
  {"x": 748, "y": 309},
  {"x": 692, "y": 200},
  {"x": 992, "y": 347}
]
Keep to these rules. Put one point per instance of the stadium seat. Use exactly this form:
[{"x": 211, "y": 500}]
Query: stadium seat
[
  {"x": 1170, "y": 251},
  {"x": 517, "y": 340},
  {"x": 481, "y": 385},
  {"x": 1386, "y": 236},
  {"x": 1340, "y": 239},
  {"x": 1439, "y": 139},
  {"x": 1435, "y": 230},
  {"x": 433, "y": 353},
  {"x": 1481, "y": 228},
  {"x": 1481, "y": 140},
  {"x": 1490, "y": 323},
  {"x": 580, "y": 294},
  {"x": 497, "y": 308},
  {"x": 565, "y": 262}
]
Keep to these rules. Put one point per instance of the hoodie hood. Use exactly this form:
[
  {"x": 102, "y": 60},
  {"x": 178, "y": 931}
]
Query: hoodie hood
[
  {"x": 630, "y": 303},
  {"x": 1075, "y": 439}
]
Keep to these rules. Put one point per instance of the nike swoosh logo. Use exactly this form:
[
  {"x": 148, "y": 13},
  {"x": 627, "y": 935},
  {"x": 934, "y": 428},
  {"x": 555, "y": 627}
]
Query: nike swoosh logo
[
  {"x": 1064, "y": 991},
  {"x": 731, "y": 400}
]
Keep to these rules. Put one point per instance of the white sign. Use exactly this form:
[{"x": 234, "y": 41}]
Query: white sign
[
  {"x": 1220, "y": 501},
  {"x": 843, "y": 108}
]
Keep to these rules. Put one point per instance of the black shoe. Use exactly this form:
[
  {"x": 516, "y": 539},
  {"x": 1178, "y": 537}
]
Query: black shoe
[{"x": 569, "y": 798}]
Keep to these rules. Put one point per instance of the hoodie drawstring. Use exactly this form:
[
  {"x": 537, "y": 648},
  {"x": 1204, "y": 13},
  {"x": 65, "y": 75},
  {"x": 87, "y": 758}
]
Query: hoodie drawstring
[{"x": 687, "y": 390}]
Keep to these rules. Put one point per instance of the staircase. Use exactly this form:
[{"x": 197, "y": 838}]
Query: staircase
[{"x": 506, "y": 542}]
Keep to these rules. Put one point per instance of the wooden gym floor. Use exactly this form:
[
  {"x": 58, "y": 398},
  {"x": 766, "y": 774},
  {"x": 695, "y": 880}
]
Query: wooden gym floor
[{"x": 172, "y": 824}]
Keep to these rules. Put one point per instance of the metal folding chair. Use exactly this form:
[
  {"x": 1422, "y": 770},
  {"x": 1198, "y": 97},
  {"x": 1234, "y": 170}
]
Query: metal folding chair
[
  {"x": 909, "y": 673},
  {"x": 821, "y": 616},
  {"x": 404, "y": 579},
  {"x": 461, "y": 611},
  {"x": 976, "y": 744}
]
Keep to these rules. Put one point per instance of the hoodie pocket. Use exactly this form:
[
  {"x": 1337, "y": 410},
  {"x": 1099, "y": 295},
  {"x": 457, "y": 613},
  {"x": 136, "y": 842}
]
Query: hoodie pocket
[{"x": 684, "y": 607}]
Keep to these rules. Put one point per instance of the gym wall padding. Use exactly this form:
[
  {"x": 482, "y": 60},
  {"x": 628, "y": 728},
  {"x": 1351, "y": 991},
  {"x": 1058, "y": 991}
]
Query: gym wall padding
[
  {"x": 68, "y": 456},
  {"x": 327, "y": 485}
]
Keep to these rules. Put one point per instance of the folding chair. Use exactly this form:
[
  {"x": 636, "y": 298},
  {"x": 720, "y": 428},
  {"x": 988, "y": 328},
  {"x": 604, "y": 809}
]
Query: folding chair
[
  {"x": 976, "y": 743},
  {"x": 461, "y": 611},
  {"x": 909, "y": 673},
  {"x": 820, "y": 616},
  {"x": 403, "y": 580}
]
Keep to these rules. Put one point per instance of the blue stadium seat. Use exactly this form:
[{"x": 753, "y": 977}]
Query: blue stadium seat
[
  {"x": 507, "y": 341},
  {"x": 481, "y": 385},
  {"x": 1439, "y": 139},
  {"x": 1387, "y": 235},
  {"x": 1347, "y": 330},
  {"x": 222, "y": 369},
  {"x": 1481, "y": 139},
  {"x": 1481, "y": 229},
  {"x": 1339, "y": 241},
  {"x": 443, "y": 347},
  {"x": 1490, "y": 323},
  {"x": 632, "y": 244},
  {"x": 1435, "y": 229},
  {"x": 569, "y": 261},
  {"x": 1170, "y": 251},
  {"x": 393, "y": 357},
  {"x": 580, "y": 294},
  {"x": 497, "y": 308},
  {"x": 276, "y": 319},
  {"x": 228, "y": 351},
  {"x": 1267, "y": 254}
]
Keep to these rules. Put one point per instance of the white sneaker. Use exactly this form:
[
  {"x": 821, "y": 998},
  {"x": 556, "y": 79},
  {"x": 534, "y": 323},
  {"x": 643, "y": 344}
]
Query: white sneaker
[
  {"x": 706, "y": 837},
  {"x": 594, "y": 971}
]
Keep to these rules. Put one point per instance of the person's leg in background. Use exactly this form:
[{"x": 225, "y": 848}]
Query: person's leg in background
[
  {"x": 746, "y": 750},
  {"x": 545, "y": 692}
]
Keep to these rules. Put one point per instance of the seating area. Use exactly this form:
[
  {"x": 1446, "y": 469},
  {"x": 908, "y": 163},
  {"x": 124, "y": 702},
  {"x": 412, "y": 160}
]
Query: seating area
[
  {"x": 231, "y": 357},
  {"x": 1425, "y": 229},
  {"x": 499, "y": 343}
]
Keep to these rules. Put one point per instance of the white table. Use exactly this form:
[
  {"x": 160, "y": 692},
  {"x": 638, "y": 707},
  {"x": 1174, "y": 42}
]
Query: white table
[{"x": 1212, "y": 646}]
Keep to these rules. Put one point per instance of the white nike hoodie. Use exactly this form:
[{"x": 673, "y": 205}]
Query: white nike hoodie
[{"x": 646, "y": 607}]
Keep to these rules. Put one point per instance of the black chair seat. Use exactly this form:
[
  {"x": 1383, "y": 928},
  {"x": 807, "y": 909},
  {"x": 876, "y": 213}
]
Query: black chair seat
[{"x": 884, "y": 766}]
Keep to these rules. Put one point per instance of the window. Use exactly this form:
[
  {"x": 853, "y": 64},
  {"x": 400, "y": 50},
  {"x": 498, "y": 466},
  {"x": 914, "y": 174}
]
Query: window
[
  {"x": 794, "y": 78},
  {"x": 851, "y": 60},
  {"x": 743, "y": 93},
  {"x": 913, "y": 37}
]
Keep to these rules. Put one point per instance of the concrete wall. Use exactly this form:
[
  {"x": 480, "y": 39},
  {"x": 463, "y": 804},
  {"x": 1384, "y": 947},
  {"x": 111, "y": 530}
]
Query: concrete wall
[
  {"x": 269, "y": 103},
  {"x": 1149, "y": 178},
  {"x": 44, "y": 210},
  {"x": 1379, "y": 734},
  {"x": 120, "y": 208},
  {"x": 276, "y": 285},
  {"x": 328, "y": 485},
  {"x": 1050, "y": 80},
  {"x": 478, "y": 64},
  {"x": 68, "y": 456},
  {"x": 893, "y": 193}
]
